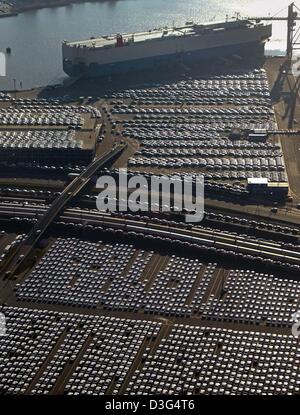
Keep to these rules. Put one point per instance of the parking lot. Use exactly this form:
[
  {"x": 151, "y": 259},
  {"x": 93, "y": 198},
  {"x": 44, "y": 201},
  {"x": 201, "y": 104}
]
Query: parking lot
[
  {"x": 46, "y": 132},
  {"x": 48, "y": 352},
  {"x": 120, "y": 277},
  {"x": 188, "y": 125},
  {"x": 108, "y": 314}
]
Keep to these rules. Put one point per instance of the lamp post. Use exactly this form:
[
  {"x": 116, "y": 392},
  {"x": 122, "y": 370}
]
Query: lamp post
[{"x": 15, "y": 91}]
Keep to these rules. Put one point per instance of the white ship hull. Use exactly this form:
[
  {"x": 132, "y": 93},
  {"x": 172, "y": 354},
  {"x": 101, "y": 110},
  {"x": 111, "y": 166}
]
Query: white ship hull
[{"x": 87, "y": 59}]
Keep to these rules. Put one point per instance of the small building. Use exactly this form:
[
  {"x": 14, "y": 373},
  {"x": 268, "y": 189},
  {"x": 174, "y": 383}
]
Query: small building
[
  {"x": 279, "y": 190},
  {"x": 258, "y": 134},
  {"x": 263, "y": 187},
  {"x": 257, "y": 184},
  {"x": 257, "y": 137}
]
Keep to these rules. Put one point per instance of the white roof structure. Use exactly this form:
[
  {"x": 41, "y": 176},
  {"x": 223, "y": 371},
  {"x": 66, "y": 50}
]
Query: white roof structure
[{"x": 257, "y": 180}]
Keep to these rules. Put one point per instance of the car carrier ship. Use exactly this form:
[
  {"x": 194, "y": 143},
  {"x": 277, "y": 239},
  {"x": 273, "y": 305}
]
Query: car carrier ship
[{"x": 188, "y": 44}]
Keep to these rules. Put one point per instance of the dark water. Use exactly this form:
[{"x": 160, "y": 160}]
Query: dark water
[{"x": 35, "y": 37}]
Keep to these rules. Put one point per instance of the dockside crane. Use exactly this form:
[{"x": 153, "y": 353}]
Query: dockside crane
[
  {"x": 285, "y": 70},
  {"x": 292, "y": 33}
]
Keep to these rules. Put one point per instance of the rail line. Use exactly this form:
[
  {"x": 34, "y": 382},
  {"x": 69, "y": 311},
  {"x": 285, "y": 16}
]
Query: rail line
[{"x": 277, "y": 251}]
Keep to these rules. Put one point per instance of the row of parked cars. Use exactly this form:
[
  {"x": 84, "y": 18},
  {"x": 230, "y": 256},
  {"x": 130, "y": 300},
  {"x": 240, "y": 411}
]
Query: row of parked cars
[
  {"x": 36, "y": 106},
  {"x": 41, "y": 120},
  {"x": 221, "y": 99},
  {"x": 205, "y": 124},
  {"x": 248, "y": 111},
  {"x": 208, "y": 152},
  {"x": 263, "y": 164},
  {"x": 222, "y": 143},
  {"x": 39, "y": 139}
]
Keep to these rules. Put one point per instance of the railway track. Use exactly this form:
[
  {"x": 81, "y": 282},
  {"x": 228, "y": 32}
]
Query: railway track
[{"x": 277, "y": 251}]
